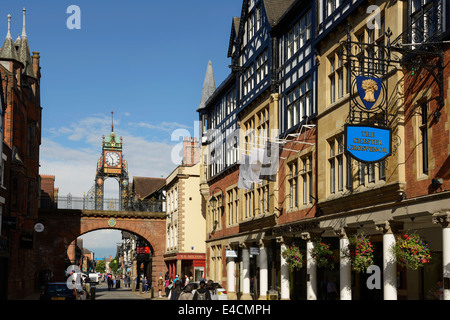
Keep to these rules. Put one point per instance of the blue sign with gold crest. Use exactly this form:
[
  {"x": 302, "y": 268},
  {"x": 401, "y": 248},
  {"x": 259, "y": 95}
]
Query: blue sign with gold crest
[{"x": 369, "y": 89}]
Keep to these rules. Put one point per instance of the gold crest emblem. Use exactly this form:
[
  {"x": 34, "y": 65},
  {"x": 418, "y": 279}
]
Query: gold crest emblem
[{"x": 369, "y": 86}]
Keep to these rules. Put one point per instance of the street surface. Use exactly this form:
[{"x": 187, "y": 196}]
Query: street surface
[
  {"x": 102, "y": 293},
  {"x": 121, "y": 293}
]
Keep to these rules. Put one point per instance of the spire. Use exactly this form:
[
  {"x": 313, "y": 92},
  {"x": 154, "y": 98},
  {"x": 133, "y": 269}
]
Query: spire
[
  {"x": 24, "y": 51},
  {"x": 8, "y": 49},
  {"x": 209, "y": 86},
  {"x": 112, "y": 121},
  {"x": 24, "y": 29},
  {"x": 9, "y": 27}
]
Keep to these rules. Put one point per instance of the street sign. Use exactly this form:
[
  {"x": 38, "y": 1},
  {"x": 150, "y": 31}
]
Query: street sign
[
  {"x": 231, "y": 253},
  {"x": 38, "y": 227},
  {"x": 368, "y": 144}
]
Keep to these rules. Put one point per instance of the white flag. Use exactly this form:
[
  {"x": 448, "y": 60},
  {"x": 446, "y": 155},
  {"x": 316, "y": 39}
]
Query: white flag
[
  {"x": 270, "y": 162},
  {"x": 256, "y": 160},
  {"x": 244, "y": 171}
]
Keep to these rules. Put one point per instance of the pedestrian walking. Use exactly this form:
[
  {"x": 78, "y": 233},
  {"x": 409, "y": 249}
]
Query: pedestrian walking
[
  {"x": 202, "y": 292},
  {"x": 175, "y": 291},
  {"x": 187, "y": 294},
  {"x": 332, "y": 293},
  {"x": 212, "y": 290},
  {"x": 144, "y": 285},
  {"x": 166, "y": 285},
  {"x": 186, "y": 280},
  {"x": 160, "y": 286},
  {"x": 323, "y": 289}
]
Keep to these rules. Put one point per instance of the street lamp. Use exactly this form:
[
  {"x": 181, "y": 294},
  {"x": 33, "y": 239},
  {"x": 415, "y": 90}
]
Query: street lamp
[{"x": 213, "y": 199}]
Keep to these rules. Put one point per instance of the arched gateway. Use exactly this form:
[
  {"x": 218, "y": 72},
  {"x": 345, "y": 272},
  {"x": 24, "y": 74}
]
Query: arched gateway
[{"x": 62, "y": 226}]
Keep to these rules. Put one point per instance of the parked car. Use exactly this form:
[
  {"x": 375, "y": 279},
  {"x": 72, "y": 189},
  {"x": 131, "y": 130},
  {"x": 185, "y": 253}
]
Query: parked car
[
  {"x": 60, "y": 291},
  {"x": 93, "y": 277},
  {"x": 221, "y": 292}
]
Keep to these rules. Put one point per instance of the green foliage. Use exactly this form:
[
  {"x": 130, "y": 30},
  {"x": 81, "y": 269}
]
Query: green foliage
[
  {"x": 323, "y": 255},
  {"x": 100, "y": 266},
  {"x": 412, "y": 251},
  {"x": 114, "y": 265},
  {"x": 360, "y": 252},
  {"x": 293, "y": 257}
]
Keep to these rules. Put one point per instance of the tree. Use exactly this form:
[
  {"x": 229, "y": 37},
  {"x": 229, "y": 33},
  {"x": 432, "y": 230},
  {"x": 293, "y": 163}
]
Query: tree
[
  {"x": 114, "y": 265},
  {"x": 100, "y": 266}
]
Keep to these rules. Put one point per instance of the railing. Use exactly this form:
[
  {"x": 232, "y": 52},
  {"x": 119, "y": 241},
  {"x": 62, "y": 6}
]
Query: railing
[{"x": 109, "y": 204}]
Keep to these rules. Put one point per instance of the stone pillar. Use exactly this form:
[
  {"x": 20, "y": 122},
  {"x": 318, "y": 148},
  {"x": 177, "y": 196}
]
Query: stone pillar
[
  {"x": 284, "y": 281},
  {"x": 389, "y": 260},
  {"x": 263, "y": 271},
  {"x": 345, "y": 266},
  {"x": 311, "y": 268},
  {"x": 245, "y": 273},
  {"x": 443, "y": 218},
  {"x": 231, "y": 270}
]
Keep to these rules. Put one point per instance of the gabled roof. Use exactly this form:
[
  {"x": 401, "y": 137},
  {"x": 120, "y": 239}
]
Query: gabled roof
[
  {"x": 145, "y": 187},
  {"x": 233, "y": 35},
  {"x": 275, "y": 9}
]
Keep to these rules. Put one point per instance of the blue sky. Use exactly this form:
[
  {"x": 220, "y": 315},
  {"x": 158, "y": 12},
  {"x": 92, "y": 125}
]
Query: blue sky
[{"x": 144, "y": 59}]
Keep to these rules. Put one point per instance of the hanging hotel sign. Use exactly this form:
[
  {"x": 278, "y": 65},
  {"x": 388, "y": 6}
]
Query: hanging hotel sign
[
  {"x": 368, "y": 144},
  {"x": 365, "y": 141}
]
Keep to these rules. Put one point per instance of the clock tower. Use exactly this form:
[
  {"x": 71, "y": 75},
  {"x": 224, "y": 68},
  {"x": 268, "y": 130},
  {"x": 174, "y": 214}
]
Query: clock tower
[{"x": 111, "y": 165}]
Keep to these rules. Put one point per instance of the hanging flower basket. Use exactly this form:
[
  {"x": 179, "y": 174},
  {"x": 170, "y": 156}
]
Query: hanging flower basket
[
  {"x": 360, "y": 252},
  {"x": 412, "y": 251},
  {"x": 323, "y": 255},
  {"x": 293, "y": 257}
]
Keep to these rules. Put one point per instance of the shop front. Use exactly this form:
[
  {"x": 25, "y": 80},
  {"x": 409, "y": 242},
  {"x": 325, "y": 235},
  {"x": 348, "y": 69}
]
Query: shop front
[{"x": 190, "y": 264}]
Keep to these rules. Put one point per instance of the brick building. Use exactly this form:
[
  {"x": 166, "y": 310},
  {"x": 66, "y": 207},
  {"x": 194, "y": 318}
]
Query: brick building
[
  {"x": 20, "y": 78},
  {"x": 48, "y": 197}
]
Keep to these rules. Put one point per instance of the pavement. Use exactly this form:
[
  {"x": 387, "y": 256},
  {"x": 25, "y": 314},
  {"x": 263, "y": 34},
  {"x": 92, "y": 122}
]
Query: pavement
[{"x": 116, "y": 293}]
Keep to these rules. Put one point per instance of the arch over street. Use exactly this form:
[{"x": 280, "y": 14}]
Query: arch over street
[{"x": 62, "y": 226}]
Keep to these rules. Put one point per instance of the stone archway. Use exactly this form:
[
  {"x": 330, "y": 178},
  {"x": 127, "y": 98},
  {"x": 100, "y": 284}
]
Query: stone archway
[{"x": 61, "y": 227}]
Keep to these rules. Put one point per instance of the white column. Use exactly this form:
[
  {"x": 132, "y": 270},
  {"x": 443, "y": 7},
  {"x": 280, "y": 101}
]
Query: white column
[
  {"x": 345, "y": 269},
  {"x": 245, "y": 273},
  {"x": 443, "y": 218},
  {"x": 263, "y": 272},
  {"x": 284, "y": 283},
  {"x": 311, "y": 269},
  {"x": 446, "y": 260},
  {"x": 389, "y": 262},
  {"x": 231, "y": 267}
]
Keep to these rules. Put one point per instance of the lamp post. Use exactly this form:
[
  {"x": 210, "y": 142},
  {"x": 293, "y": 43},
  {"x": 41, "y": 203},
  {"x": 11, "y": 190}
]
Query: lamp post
[{"x": 213, "y": 201}]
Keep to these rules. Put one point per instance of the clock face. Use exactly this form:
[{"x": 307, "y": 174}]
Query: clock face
[{"x": 112, "y": 159}]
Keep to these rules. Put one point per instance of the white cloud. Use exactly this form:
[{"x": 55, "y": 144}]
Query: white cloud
[
  {"x": 102, "y": 242},
  {"x": 164, "y": 126},
  {"x": 70, "y": 153}
]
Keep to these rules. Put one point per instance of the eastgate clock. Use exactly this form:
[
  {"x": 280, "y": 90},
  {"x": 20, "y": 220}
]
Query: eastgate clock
[{"x": 112, "y": 159}]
